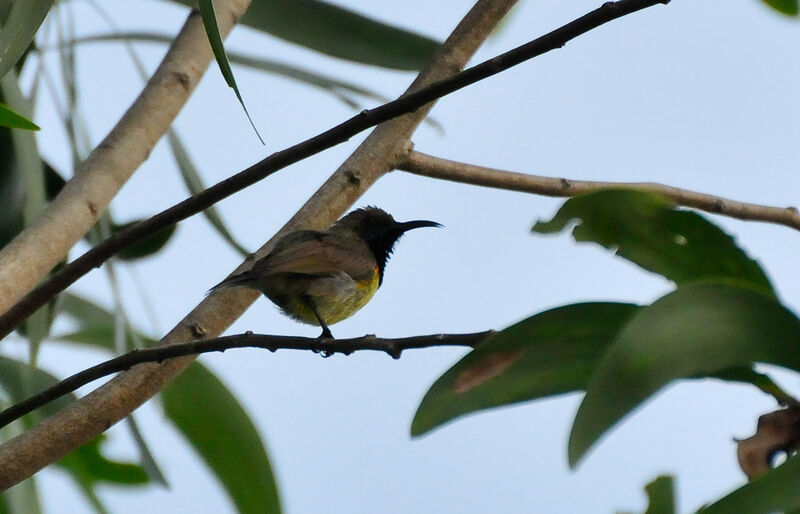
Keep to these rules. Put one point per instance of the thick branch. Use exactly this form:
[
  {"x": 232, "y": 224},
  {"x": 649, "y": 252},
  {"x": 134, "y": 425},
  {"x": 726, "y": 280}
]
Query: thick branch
[
  {"x": 436, "y": 167},
  {"x": 328, "y": 347},
  {"x": 356, "y": 174},
  {"x": 33, "y": 253},
  {"x": 86, "y": 418}
]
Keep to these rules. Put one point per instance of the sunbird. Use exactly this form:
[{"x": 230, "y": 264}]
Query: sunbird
[{"x": 321, "y": 277}]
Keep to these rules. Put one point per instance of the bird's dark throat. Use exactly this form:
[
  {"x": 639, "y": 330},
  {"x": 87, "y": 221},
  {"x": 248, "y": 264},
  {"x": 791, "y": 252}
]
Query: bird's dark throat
[{"x": 382, "y": 248}]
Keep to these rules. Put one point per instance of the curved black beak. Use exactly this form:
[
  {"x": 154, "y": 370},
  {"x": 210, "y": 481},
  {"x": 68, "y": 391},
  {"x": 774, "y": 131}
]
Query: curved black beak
[{"x": 410, "y": 225}]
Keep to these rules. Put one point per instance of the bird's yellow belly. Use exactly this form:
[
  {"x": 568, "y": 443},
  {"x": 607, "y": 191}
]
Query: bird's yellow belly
[{"x": 335, "y": 300}]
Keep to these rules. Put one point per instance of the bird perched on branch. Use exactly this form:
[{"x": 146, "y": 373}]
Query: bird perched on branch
[{"x": 322, "y": 277}]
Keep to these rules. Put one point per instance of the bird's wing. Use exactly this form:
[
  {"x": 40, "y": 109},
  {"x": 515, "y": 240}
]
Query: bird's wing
[{"x": 318, "y": 253}]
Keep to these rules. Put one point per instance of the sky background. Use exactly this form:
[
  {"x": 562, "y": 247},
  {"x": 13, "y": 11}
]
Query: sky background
[{"x": 694, "y": 94}]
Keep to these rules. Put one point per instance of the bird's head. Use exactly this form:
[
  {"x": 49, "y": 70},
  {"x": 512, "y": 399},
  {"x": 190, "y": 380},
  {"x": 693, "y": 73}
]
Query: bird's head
[{"x": 379, "y": 229}]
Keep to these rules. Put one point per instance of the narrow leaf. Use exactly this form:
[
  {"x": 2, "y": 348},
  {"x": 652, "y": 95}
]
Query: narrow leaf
[
  {"x": 649, "y": 231},
  {"x": 214, "y": 38},
  {"x": 551, "y": 353},
  {"x": 341, "y": 89},
  {"x": 339, "y": 32},
  {"x": 11, "y": 191},
  {"x": 97, "y": 328},
  {"x": 194, "y": 183},
  {"x": 31, "y": 170},
  {"x": 19, "y": 30},
  {"x": 774, "y": 492},
  {"x": 147, "y": 246},
  {"x": 227, "y": 441},
  {"x": 85, "y": 312},
  {"x": 95, "y": 325},
  {"x": 697, "y": 330},
  {"x": 9, "y": 118},
  {"x": 23, "y": 497}
]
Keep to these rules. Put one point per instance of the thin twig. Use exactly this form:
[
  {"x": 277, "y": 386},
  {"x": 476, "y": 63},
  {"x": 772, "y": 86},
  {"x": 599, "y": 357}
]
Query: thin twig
[
  {"x": 328, "y": 347},
  {"x": 436, "y": 167},
  {"x": 279, "y": 160}
]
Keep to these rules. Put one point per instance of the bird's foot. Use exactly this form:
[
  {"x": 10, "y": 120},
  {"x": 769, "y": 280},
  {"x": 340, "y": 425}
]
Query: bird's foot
[{"x": 326, "y": 334}]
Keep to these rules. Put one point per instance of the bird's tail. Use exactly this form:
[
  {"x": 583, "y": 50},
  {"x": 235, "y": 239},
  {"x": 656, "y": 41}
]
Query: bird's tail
[{"x": 241, "y": 279}]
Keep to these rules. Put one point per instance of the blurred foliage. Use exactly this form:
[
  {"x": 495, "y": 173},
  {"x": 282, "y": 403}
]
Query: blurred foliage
[
  {"x": 229, "y": 442},
  {"x": 231, "y": 447},
  {"x": 722, "y": 318}
]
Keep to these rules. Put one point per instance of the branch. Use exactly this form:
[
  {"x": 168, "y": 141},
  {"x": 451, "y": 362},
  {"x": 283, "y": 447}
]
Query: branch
[
  {"x": 355, "y": 171},
  {"x": 328, "y": 347},
  {"x": 34, "y": 252},
  {"x": 88, "y": 417},
  {"x": 436, "y": 167}
]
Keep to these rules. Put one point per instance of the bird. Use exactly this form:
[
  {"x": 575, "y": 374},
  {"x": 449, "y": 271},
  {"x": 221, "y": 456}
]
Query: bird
[{"x": 321, "y": 277}]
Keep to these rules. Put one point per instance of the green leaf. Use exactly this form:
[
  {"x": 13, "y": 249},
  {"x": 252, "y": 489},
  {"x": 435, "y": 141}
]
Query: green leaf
[
  {"x": 85, "y": 312},
  {"x": 11, "y": 191},
  {"x": 26, "y": 153},
  {"x": 341, "y": 89},
  {"x": 551, "y": 353},
  {"x": 775, "y": 491},
  {"x": 87, "y": 465},
  {"x": 146, "y": 458},
  {"x": 9, "y": 118},
  {"x": 194, "y": 183},
  {"x": 147, "y": 246},
  {"x": 53, "y": 181},
  {"x": 761, "y": 381},
  {"x": 338, "y": 32},
  {"x": 214, "y": 38},
  {"x": 95, "y": 325},
  {"x": 649, "y": 231},
  {"x": 789, "y": 7},
  {"x": 227, "y": 441},
  {"x": 28, "y": 163},
  {"x": 12, "y": 196},
  {"x": 19, "y": 30},
  {"x": 697, "y": 330},
  {"x": 661, "y": 495},
  {"x": 22, "y": 498}
]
